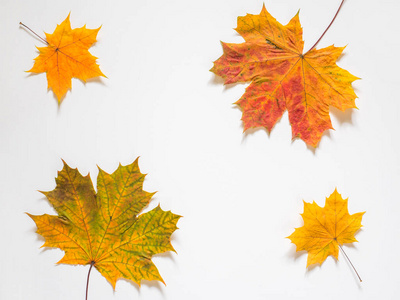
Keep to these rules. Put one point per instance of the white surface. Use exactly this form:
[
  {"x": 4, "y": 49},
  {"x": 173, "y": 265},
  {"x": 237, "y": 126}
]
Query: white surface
[{"x": 240, "y": 194}]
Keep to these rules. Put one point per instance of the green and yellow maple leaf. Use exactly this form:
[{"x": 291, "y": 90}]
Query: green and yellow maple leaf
[{"x": 106, "y": 230}]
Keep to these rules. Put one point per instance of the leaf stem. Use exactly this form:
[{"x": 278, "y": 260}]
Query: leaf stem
[
  {"x": 87, "y": 282},
  {"x": 42, "y": 39},
  {"x": 348, "y": 259},
  {"x": 337, "y": 12}
]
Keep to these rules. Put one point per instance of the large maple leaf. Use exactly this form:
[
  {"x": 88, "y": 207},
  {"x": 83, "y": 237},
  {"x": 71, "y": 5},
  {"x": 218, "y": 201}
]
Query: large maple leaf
[
  {"x": 66, "y": 56},
  {"x": 326, "y": 229},
  {"x": 105, "y": 229},
  {"x": 283, "y": 78}
]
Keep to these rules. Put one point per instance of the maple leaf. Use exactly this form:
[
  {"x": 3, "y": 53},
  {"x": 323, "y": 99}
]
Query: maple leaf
[
  {"x": 282, "y": 78},
  {"x": 67, "y": 55},
  {"x": 326, "y": 229},
  {"x": 105, "y": 230}
]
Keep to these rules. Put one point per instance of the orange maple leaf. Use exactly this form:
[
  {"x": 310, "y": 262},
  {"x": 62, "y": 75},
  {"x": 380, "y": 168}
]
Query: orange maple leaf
[
  {"x": 282, "y": 78},
  {"x": 67, "y": 55},
  {"x": 105, "y": 229},
  {"x": 326, "y": 229}
]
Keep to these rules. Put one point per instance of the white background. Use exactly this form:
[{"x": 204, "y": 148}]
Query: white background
[{"x": 240, "y": 194}]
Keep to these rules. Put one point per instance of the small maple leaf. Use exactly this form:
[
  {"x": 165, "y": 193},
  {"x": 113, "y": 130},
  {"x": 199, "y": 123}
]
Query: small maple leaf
[
  {"x": 67, "y": 55},
  {"x": 105, "y": 230},
  {"x": 326, "y": 229},
  {"x": 282, "y": 78}
]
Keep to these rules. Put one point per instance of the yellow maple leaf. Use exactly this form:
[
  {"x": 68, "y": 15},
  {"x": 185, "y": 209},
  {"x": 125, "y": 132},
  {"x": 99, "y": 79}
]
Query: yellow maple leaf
[
  {"x": 66, "y": 56},
  {"x": 326, "y": 229},
  {"x": 105, "y": 229}
]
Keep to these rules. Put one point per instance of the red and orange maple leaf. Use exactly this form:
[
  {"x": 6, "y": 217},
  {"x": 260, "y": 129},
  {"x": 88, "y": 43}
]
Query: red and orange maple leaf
[{"x": 283, "y": 78}]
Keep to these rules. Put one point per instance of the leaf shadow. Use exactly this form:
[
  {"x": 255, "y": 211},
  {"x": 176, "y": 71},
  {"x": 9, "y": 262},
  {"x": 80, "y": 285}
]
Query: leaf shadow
[
  {"x": 293, "y": 254},
  {"x": 312, "y": 149},
  {"x": 150, "y": 284},
  {"x": 312, "y": 267},
  {"x": 29, "y": 74},
  {"x": 97, "y": 80},
  {"x": 216, "y": 80},
  {"x": 342, "y": 117},
  {"x": 154, "y": 285},
  {"x": 251, "y": 131},
  {"x": 169, "y": 254},
  {"x": 233, "y": 85}
]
